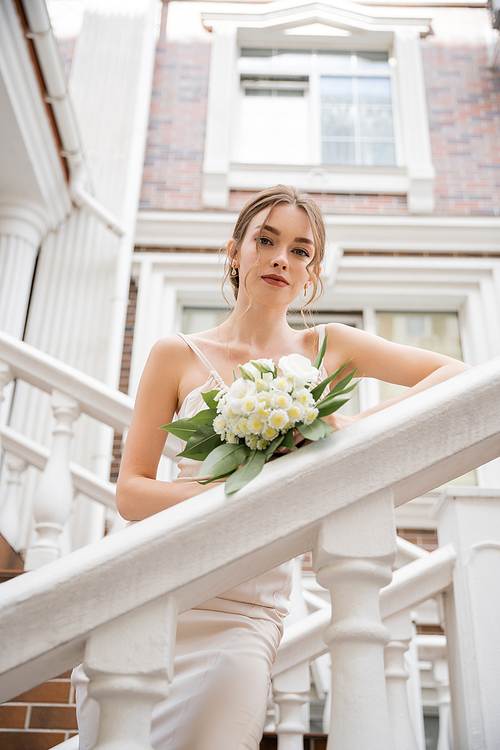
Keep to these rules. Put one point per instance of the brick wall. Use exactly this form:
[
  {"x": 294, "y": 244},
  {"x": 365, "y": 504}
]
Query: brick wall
[
  {"x": 40, "y": 718},
  {"x": 463, "y": 97}
]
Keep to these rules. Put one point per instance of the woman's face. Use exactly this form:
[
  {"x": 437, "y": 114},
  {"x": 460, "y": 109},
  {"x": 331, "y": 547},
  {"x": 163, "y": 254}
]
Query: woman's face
[{"x": 286, "y": 247}]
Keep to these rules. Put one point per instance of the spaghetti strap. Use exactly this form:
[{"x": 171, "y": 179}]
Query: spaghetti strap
[{"x": 205, "y": 361}]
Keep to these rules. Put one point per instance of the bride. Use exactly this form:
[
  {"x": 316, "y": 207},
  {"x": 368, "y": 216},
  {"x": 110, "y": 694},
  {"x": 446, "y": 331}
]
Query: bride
[{"x": 226, "y": 646}]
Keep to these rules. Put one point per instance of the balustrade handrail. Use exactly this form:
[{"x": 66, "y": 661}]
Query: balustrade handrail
[
  {"x": 404, "y": 451},
  {"x": 95, "y": 398}
]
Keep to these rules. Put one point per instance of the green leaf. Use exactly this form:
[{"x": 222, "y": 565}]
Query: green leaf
[
  {"x": 335, "y": 394},
  {"x": 314, "y": 431},
  {"x": 181, "y": 428},
  {"x": 199, "y": 445},
  {"x": 273, "y": 446},
  {"x": 343, "y": 383},
  {"x": 206, "y": 416},
  {"x": 209, "y": 398},
  {"x": 331, "y": 407},
  {"x": 252, "y": 466},
  {"x": 288, "y": 441},
  {"x": 224, "y": 459},
  {"x": 319, "y": 359},
  {"x": 215, "y": 479},
  {"x": 318, "y": 390}
]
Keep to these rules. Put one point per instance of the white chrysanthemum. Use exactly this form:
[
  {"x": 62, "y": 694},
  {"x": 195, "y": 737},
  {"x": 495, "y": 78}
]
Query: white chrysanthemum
[
  {"x": 278, "y": 419},
  {"x": 262, "y": 445},
  {"x": 252, "y": 441},
  {"x": 241, "y": 427},
  {"x": 303, "y": 396},
  {"x": 255, "y": 424},
  {"x": 281, "y": 400},
  {"x": 310, "y": 415},
  {"x": 282, "y": 384},
  {"x": 230, "y": 437},
  {"x": 269, "y": 433},
  {"x": 219, "y": 424},
  {"x": 295, "y": 412},
  {"x": 248, "y": 404}
]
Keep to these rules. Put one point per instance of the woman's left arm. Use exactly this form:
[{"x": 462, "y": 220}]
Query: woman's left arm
[{"x": 375, "y": 357}]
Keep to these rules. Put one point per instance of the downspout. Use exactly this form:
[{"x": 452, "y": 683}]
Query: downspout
[{"x": 57, "y": 95}]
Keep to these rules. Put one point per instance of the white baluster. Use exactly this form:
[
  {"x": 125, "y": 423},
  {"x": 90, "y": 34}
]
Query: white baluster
[
  {"x": 130, "y": 663},
  {"x": 444, "y": 702},
  {"x": 354, "y": 552},
  {"x": 291, "y": 693},
  {"x": 6, "y": 376},
  {"x": 400, "y": 628},
  {"x": 54, "y": 495},
  {"x": 10, "y": 517}
]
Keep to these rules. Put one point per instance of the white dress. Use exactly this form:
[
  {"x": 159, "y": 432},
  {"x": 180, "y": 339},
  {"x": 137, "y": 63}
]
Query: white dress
[{"x": 224, "y": 650}]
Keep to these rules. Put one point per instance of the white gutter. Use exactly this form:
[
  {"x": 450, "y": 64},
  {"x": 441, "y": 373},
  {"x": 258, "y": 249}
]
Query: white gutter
[{"x": 57, "y": 95}]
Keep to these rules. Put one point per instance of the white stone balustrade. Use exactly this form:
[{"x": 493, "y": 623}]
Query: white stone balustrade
[
  {"x": 442, "y": 678},
  {"x": 353, "y": 556},
  {"x": 469, "y": 518},
  {"x": 400, "y": 628},
  {"x": 54, "y": 495},
  {"x": 291, "y": 693},
  {"x": 10, "y": 508},
  {"x": 130, "y": 663}
]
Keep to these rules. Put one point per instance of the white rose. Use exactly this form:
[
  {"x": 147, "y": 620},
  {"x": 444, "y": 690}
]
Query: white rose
[{"x": 298, "y": 367}]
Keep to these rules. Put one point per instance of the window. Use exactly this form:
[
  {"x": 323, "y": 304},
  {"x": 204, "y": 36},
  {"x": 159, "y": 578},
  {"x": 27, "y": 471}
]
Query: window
[{"x": 305, "y": 106}]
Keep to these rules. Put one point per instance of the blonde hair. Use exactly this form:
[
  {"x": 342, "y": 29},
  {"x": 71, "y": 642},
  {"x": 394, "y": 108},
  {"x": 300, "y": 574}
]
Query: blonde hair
[{"x": 270, "y": 198}]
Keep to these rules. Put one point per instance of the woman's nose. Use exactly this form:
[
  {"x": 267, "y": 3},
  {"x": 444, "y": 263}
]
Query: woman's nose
[{"x": 279, "y": 261}]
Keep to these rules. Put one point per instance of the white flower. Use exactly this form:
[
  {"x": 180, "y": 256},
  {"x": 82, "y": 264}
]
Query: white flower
[
  {"x": 282, "y": 384},
  {"x": 242, "y": 388},
  {"x": 300, "y": 368},
  {"x": 255, "y": 424},
  {"x": 304, "y": 397},
  {"x": 278, "y": 419},
  {"x": 219, "y": 424},
  {"x": 269, "y": 433},
  {"x": 252, "y": 370},
  {"x": 230, "y": 437},
  {"x": 248, "y": 404},
  {"x": 310, "y": 416},
  {"x": 295, "y": 412},
  {"x": 281, "y": 400},
  {"x": 262, "y": 445},
  {"x": 252, "y": 441}
]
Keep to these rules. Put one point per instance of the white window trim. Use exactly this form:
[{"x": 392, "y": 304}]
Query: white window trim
[{"x": 393, "y": 28}]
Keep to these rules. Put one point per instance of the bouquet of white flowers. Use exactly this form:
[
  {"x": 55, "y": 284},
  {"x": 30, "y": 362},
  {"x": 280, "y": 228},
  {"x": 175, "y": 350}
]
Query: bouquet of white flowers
[{"x": 244, "y": 425}]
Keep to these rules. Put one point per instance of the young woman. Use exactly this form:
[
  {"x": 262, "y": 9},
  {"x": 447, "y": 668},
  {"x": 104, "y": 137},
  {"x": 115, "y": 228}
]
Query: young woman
[{"x": 226, "y": 646}]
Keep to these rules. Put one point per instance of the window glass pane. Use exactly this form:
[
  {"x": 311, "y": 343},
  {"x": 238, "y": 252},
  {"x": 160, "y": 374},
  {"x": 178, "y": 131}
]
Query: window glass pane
[
  {"x": 333, "y": 61},
  {"x": 255, "y": 52},
  {"x": 336, "y": 89},
  {"x": 376, "y": 154},
  {"x": 338, "y": 120},
  {"x": 196, "y": 319},
  {"x": 375, "y": 122},
  {"x": 374, "y": 90},
  {"x": 338, "y": 152},
  {"x": 435, "y": 331}
]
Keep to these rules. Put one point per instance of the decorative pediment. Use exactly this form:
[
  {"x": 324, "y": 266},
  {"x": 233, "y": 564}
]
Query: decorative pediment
[{"x": 340, "y": 18}]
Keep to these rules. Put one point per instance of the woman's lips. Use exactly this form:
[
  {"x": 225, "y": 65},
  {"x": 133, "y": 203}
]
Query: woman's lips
[{"x": 274, "y": 282}]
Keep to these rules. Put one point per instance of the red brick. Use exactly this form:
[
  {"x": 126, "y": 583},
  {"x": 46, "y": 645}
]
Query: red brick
[
  {"x": 30, "y": 740},
  {"x": 49, "y": 692},
  {"x": 12, "y": 717},
  {"x": 53, "y": 717}
]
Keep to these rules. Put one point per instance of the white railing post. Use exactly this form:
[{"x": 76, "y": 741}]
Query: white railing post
[
  {"x": 442, "y": 679},
  {"x": 291, "y": 693},
  {"x": 400, "y": 628},
  {"x": 469, "y": 518},
  {"x": 6, "y": 376},
  {"x": 10, "y": 508},
  {"x": 130, "y": 663},
  {"x": 54, "y": 495},
  {"x": 354, "y": 552}
]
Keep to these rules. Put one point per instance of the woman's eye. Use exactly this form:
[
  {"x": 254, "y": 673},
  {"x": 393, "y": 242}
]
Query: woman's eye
[
  {"x": 264, "y": 240},
  {"x": 301, "y": 251}
]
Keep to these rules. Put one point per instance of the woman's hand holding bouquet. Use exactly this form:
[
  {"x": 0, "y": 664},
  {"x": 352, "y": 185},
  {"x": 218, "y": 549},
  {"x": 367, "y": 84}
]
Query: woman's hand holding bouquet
[{"x": 259, "y": 416}]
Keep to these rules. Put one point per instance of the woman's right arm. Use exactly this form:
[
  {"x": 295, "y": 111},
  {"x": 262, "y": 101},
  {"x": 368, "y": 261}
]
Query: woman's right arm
[{"x": 138, "y": 493}]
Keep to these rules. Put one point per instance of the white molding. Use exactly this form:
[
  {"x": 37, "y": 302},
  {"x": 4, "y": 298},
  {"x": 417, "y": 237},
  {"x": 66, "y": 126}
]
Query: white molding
[
  {"x": 426, "y": 234},
  {"x": 35, "y": 129}
]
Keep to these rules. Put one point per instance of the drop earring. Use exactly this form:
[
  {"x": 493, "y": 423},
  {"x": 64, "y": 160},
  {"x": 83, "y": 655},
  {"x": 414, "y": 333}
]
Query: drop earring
[
  {"x": 234, "y": 270},
  {"x": 304, "y": 291}
]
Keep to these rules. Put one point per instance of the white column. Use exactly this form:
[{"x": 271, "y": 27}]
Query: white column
[
  {"x": 400, "y": 628},
  {"x": 54, "y": 495},
  {"x": 469, "y": 518},
  {"x": 291, "y": 693},
  {"x": 353, "y": 557},
  {"x": 130, "y": 663},
  {"x": 414, "y": 688}
]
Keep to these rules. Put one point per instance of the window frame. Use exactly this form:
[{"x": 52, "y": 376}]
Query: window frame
[{"x": 398, "y": 33}]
